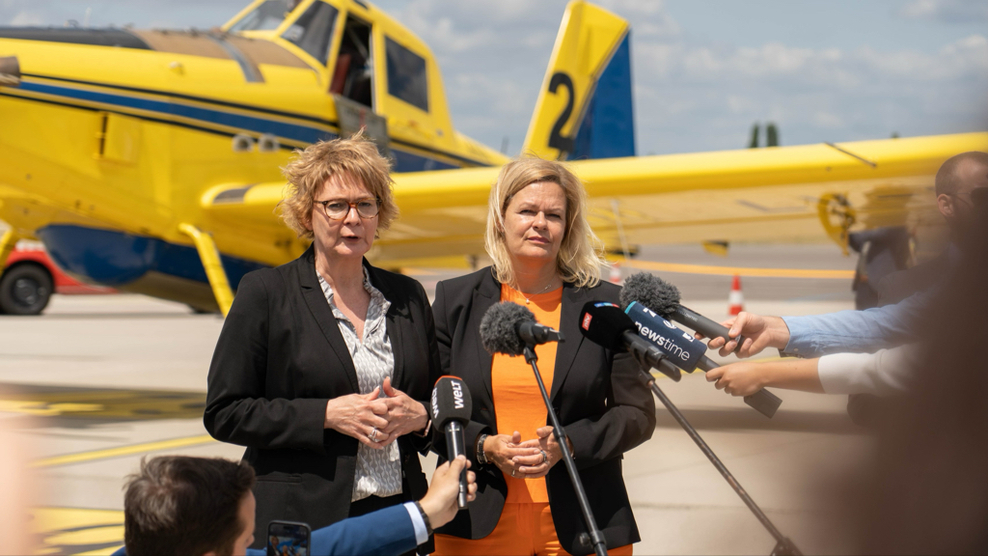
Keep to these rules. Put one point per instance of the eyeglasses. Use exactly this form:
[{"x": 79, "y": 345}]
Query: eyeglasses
[{"x": 338, "y": 209}]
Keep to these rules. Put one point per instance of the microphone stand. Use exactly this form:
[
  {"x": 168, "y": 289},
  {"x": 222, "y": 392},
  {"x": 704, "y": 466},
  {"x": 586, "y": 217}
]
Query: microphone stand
[
  {"x": 783, "y": 546},
  {"x": 596, "y": 537}
]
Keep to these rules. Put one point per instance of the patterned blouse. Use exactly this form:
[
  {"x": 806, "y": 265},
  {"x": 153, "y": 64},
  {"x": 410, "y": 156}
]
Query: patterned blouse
[{"x": 378, "y": 471}]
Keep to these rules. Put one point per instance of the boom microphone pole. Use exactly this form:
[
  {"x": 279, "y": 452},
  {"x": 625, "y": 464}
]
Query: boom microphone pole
[
  {"x": 508, "y": 328},
  {"x": 604, "y": 323}
]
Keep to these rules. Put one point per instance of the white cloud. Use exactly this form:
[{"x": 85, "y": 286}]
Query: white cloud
[
  {"x": 25, "y": 17},
  {"x": 947, "y": 11}
]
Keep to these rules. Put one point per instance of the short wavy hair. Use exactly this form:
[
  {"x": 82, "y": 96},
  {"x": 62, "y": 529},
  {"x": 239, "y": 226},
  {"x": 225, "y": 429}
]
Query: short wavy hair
[
  {"x": 357, "y": 157},
  {"x": 581, "y": 252}
]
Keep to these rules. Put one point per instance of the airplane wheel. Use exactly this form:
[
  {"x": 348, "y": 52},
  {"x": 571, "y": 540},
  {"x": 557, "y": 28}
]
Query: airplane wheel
[{"x": 25, "y": 290}]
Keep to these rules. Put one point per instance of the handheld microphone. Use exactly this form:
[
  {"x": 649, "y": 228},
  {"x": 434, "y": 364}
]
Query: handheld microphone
[
  {"x": 451, "y": 410},
  {"x": 687, "y": 352},
  {"x": 605, "y": 324},
  {"x": 508, "y": 328},
  {"x": 663, "y": 298}
]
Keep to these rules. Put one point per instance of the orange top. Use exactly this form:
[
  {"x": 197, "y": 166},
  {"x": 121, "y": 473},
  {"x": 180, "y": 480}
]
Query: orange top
[{"x": 517, "y": 399}]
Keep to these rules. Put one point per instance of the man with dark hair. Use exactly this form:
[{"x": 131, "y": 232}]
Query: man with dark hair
[{"x": 188, "y": 506}]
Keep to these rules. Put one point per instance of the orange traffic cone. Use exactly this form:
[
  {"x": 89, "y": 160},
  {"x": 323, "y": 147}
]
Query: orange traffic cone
[
  {"x": 736, "y": 300},
  {"x": 615, "y": 277}
]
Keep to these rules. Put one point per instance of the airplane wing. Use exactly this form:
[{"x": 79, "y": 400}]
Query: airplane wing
[{"x": 791, "y": 194}]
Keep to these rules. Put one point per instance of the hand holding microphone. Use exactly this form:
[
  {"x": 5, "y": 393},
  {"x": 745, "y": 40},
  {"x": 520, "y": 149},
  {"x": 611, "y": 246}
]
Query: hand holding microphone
[
  {"x": 663, "y": 298},
  {"x": 451, "y": 411},
  {"x": 760, "y": 332}
]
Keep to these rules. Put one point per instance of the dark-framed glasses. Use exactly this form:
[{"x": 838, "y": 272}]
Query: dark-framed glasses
[{"x": 337, "y": 209}]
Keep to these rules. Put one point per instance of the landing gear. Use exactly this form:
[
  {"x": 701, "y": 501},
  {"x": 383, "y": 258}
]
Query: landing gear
[{"x": 25, "y": 290}]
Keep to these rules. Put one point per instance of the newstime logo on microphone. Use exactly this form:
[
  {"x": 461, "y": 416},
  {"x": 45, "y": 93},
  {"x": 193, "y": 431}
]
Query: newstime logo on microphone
[{"x": 675, "y": 343}]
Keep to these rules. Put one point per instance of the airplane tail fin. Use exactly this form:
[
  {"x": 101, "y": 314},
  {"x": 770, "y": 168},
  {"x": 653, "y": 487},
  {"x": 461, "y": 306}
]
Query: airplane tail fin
[{"x": 584, "y": 108}]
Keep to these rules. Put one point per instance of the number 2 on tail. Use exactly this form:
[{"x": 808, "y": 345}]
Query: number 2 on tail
[{"x": 556, "y": 138}]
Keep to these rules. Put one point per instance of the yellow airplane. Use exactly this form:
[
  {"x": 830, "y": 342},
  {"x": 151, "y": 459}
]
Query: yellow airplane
[{"x": 149, "y": 160}]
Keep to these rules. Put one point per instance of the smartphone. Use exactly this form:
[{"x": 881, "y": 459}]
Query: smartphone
[{"x": 288, "y": 538}]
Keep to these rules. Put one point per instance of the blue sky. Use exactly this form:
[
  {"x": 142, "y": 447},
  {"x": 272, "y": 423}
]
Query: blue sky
[{"x": 704, "y": 70}]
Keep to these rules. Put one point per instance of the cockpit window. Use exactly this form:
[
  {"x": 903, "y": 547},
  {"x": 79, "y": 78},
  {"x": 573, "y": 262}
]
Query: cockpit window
[
  {"x": 406, "y": 75},
  {"x": 266, "y": 17},
  {"x": 313, "y": 30}
]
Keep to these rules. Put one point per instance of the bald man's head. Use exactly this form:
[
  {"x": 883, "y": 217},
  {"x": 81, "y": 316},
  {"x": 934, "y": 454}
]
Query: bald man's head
[
  {"x": 962, "y": 173},
  {"x": 959, "y": 186}
]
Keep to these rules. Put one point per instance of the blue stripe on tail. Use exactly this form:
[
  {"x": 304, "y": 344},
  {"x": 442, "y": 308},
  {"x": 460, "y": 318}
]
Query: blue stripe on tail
[{"x": 608, "y": 128}]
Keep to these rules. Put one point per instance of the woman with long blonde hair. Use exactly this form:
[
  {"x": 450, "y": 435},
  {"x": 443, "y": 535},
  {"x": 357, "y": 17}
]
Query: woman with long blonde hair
[{"x": 546, "y": 258}]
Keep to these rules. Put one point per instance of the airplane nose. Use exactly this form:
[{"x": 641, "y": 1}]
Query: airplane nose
[{"x": 10, "y": 71}]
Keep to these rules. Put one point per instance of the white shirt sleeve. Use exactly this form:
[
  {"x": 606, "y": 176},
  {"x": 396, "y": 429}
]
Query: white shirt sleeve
[
  {"x": 421, "y": 533},
  {"x": 883, "y": 373}
]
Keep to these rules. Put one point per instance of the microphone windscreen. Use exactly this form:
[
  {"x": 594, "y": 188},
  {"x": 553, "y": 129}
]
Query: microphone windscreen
[
  {"x": 651, "y": 291},
  {"x": 450, "y": 402},
  {"x": 499, "y": 328},
  {"x": 604, "y": 324}
]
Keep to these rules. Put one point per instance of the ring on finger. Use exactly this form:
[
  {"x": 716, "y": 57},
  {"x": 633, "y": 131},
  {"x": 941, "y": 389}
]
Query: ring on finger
[
  {"x": 512, "y": 472},
  {"x": 545, "y": 456},
  {"x": 373, "y": 435}
]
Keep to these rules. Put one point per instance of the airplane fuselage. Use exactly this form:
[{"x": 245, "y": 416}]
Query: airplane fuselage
[{"x": 112, "y": 137}]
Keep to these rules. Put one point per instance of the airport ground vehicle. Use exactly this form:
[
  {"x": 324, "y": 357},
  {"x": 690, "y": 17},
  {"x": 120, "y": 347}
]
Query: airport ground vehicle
[{"x": 30, "y": 278}]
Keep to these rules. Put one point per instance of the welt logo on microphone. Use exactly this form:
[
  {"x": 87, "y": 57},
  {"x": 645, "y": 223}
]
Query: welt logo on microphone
[
  {"x": 457, "y": 394},
  {"x": 675, "y": 343}
]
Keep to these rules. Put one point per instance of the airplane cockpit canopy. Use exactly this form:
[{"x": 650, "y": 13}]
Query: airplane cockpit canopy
[{"x": 266, "y": 16}]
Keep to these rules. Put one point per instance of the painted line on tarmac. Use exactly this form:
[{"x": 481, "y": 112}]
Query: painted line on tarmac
[
  {"x": 741, "y": 271},
  {"x": 123, "y": 451}
]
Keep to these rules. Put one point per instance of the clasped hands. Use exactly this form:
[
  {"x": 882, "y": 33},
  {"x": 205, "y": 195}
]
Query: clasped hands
[
  {"x": 530, "y": 459},
  {"x": 374, "y": 420}
]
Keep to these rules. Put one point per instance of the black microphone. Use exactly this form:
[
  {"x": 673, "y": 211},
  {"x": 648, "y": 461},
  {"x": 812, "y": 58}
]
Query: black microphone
[
  {"x": 605, "y": 324},
  {"x": 687, "y": 352},
  {"x": 451, "y": 411},
  {"x": 508, "y": 328},
  {"x": 663, "y": 298}
]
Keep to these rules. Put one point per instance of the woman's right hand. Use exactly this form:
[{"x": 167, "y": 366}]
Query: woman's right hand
[
  {"x": 359, "y": 416},
  {"x": 501, "y": 449}
]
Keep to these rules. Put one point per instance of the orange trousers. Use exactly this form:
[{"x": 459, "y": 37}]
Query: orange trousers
[{"x": 523, "y": 530}]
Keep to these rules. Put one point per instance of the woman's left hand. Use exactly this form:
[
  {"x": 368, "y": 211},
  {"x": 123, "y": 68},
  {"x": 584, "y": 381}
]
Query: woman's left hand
[
  {"x": 404, "y": 414},
  {"x": 534, "y": 467}
]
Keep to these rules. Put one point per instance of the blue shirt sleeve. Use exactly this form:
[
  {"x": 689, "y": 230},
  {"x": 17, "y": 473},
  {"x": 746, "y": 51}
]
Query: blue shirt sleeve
[
  {"x": 855, "y": 331},
  {"x": 387, "y": 531}
]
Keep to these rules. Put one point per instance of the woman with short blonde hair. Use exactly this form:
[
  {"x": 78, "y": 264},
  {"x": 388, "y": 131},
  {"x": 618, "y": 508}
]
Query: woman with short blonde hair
[
  {"x": 547, "y": 259},
  {"x": 325, "y": 364}
]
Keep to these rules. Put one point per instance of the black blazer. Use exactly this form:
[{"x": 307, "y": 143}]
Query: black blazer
[
  {"x": 279, "y": 359},
  {"x": 598, "y": 394}
]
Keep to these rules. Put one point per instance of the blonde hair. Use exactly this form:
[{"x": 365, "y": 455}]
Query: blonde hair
[
  {"x": 581, "y": 252},
  {"x": 356, "y": 157}
]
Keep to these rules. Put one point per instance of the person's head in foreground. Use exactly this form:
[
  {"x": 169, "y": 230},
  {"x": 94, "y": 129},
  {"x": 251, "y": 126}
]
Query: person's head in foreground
[
  {"x": 537, "y": 231},
  {"x": 189, "y": 506}
]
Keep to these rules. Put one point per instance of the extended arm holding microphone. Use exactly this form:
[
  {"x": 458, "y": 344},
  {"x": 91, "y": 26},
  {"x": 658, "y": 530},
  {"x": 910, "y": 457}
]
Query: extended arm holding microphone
[
  {"x": 606, "y": 324},
  {"x": 511, "y": 329},
  {"x": 647, "y": 299},
  {"x": 663, "y": 298}
]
